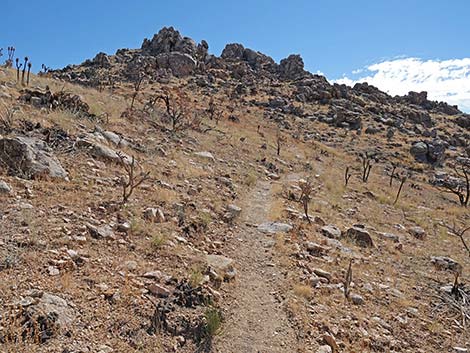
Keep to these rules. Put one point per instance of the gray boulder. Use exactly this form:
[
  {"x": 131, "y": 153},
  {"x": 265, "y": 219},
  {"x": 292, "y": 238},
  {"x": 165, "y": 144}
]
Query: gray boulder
[
  {"x": 180, "y": 64},
  {"x": 29, "y": 158}
]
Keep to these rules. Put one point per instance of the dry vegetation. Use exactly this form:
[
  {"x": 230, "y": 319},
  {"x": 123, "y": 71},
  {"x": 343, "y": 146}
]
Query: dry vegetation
[{"x": 47, "y": 242}]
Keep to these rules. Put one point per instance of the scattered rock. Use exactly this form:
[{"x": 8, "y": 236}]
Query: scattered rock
[
  {"x": 274, "y": 227},
  {"x": 331, "y": 231},
  {"x": 224, "y": 266},
  {"x": 205, "y": 155},
  {"x": 324, "y": 349},
  {"x": 4, "y": 187},
  {"x": 417, "y": 232},
  {"x": 446, "y": 263},
  {"x": 322, "y": 273},
  {"x": 357, "y": 299},
  {"x": 154, "y": 215},
  {"x": 389, "y": 236},
  {"x": 233, "y": 212},
  {"x": 100, "y": 232},
  {"x": 158, "y": 290}
]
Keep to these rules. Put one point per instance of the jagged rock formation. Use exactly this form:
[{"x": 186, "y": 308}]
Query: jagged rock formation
[{"x": 169, "y": 54}]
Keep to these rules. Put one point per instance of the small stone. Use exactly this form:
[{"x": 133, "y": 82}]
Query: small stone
[
  {"x": 155, "y": 215},
  {"x": 389, "y": 236},
  {"x": 274, "y": 227},
  {"x": 205, "y": 155},
  {"x": 446, "y": 263},
  {"x": 233, "y": 212},
  {"x": 357, "y": 299},
  {"x": 53, "y": 271},
  {"x": 124, "y": 227},
  {"x": 4, "y": 187},
  {"x": 222, "y": 265},
  {"x": 322, "y": 273},
  {"x": 158, "y": 290},
  {"x": 100, "y": 232},
  {"x": 131, "y": 265},
  {"x": 324, "y": 349},
  {"x": 105, "y": 349},
  {"x": 417, "y": 232}
]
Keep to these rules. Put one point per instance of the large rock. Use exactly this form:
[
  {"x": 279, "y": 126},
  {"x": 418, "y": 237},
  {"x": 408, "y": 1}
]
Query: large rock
[
  {"x": 180, "y": 64},
  {"x": 432, "y": 152},
  {"x": 29, "y": 158},
  {"x": 360, "y": 236}
]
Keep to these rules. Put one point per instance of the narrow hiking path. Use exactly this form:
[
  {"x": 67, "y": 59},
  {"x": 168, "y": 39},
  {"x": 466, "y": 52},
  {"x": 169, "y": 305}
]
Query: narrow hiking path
[{"x": 256, "y": 321}]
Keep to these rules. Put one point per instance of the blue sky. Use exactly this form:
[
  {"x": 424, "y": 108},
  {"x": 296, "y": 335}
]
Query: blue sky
[{"x": 333, "y": 37}]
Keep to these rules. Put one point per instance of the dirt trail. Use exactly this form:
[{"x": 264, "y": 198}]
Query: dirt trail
[{"x": 256, "y": 321}]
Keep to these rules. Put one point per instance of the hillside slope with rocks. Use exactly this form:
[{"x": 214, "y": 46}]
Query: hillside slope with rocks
[{"x": 164, "y": 199}]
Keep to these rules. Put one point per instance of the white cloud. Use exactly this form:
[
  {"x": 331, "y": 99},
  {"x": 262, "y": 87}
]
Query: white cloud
[{"x": 444, "y": 80}]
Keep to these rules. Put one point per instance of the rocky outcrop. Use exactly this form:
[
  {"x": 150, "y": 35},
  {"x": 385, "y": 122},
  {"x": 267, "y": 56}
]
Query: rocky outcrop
[
  {"x": 29, "y": 158},
  {"x": 169, "y": 40},
  {"x": 292, "y": 68}
]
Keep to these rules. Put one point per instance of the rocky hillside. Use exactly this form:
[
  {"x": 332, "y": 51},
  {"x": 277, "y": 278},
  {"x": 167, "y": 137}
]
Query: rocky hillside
[{"x": 163, "y": 199}]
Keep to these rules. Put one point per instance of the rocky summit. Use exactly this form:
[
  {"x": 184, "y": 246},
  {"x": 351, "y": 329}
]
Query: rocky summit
[{"x": 165, "y": 199}]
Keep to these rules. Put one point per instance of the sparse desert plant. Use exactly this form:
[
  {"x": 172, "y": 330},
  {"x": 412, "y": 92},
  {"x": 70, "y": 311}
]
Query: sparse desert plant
[
  {"x": 7, "y": 119},
  {"x": 347, "y": 176},
  {"x": 11, "y": 54},
  {"x": 348, "y": 280},
  {"x": 24, "y": 69},
  {"x": 367, "y": 160},
  {"x": 213, "y": 318},
  {"x": 18, "y": 68},
  {"x": 303, "y": 291},
  {"x": 29, "y": 72},
  {"x": 176, "y": 109},
  {"x": 137, "y": 87},
  {"x": 158, "y": 240},
  {"x": 459, "y": 232},
  {"x": 306, "y": 188},
  {"x": 392, "y": 174},
  {"x": 403, "y": 177},
  {"x": 133, "y": 179},
  {"x": 279, "y": 141},
  {"x": 196, "y": 277},
  {"x": 459, "y": 184}
]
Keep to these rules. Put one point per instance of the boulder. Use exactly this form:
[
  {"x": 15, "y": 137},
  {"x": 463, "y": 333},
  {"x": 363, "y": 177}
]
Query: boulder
[
  {"x": 180, "y": 64},
  {"x": 431, "y": 152},
  {"x": 360, "y": 236},
  {"x": 29, "y": 158}
]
